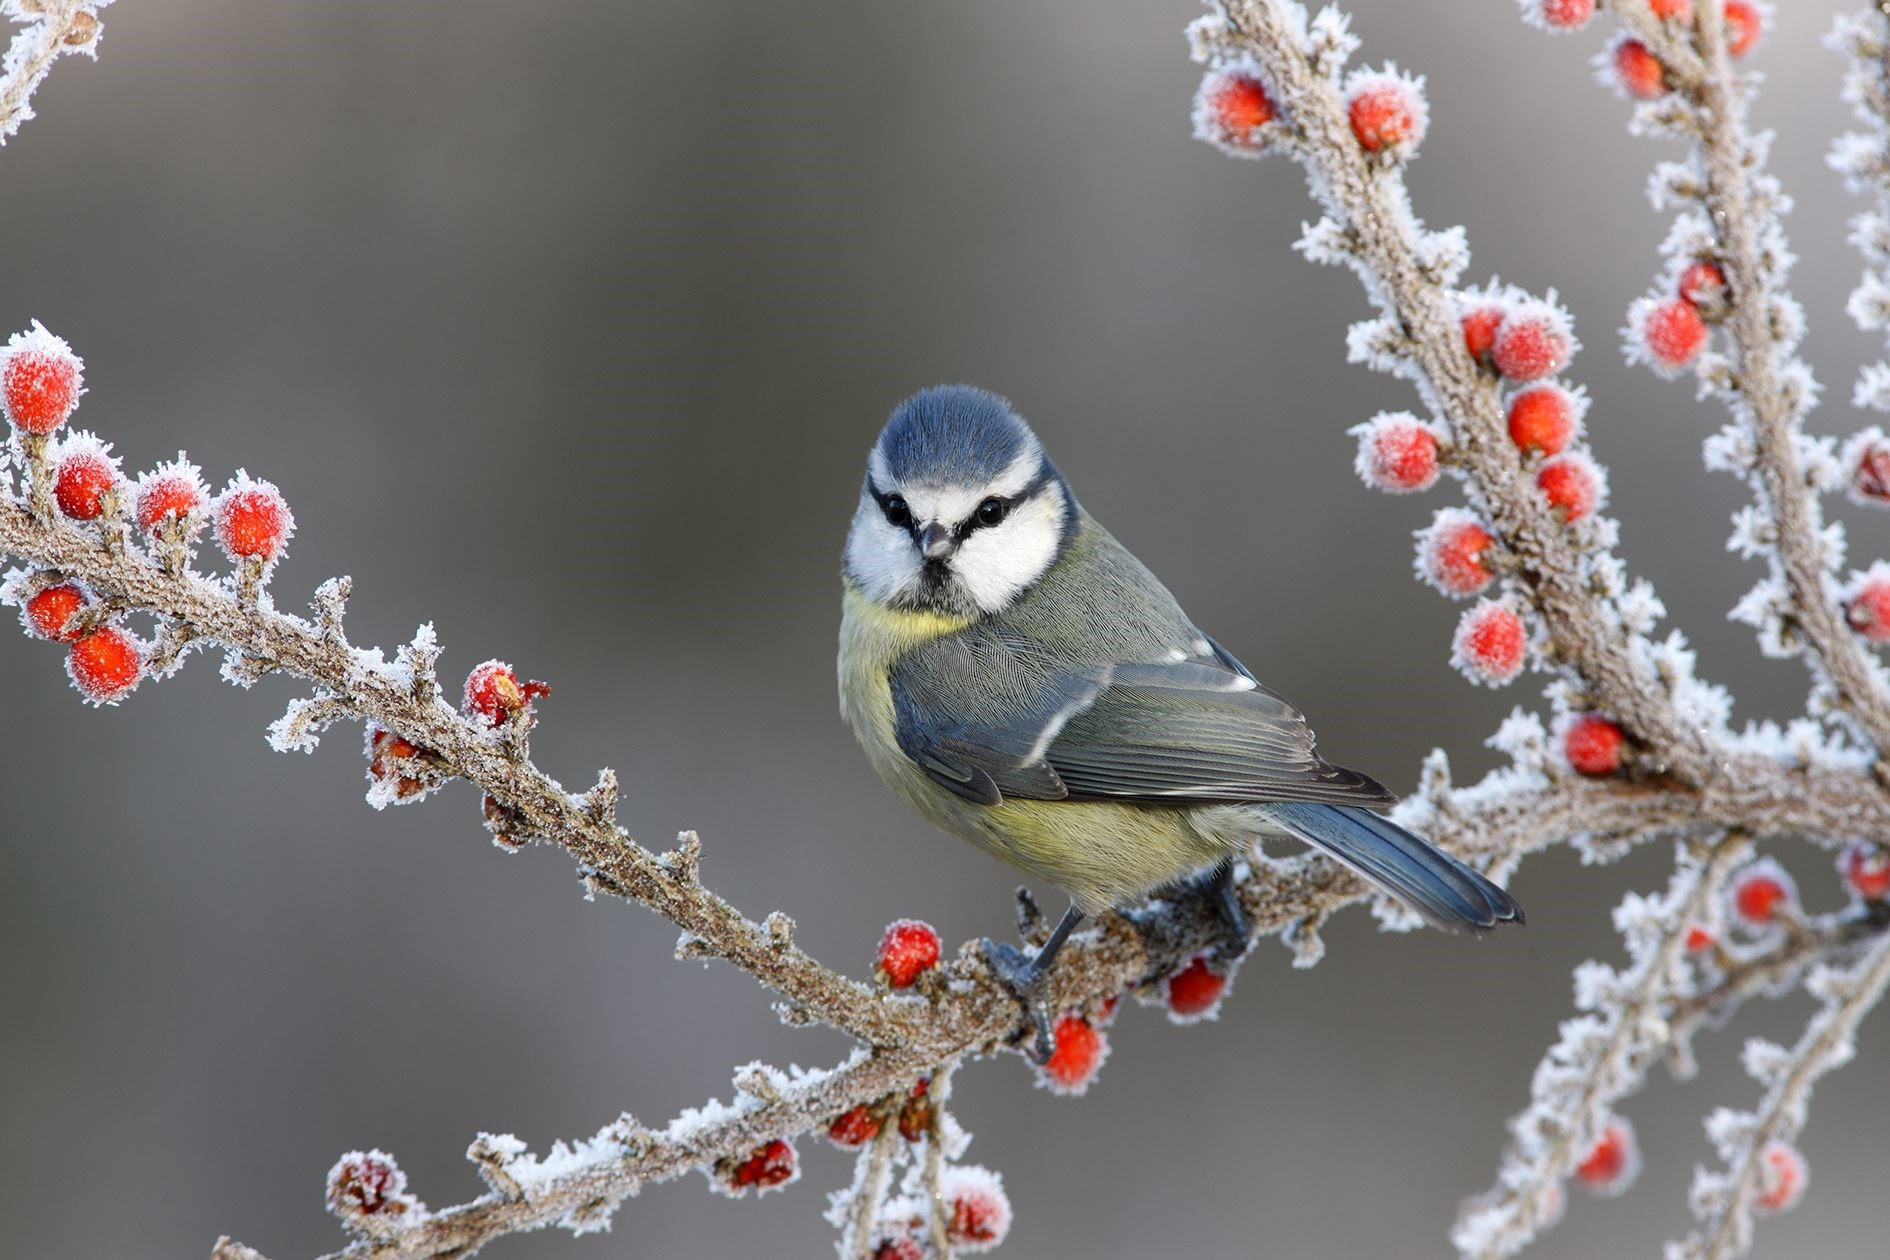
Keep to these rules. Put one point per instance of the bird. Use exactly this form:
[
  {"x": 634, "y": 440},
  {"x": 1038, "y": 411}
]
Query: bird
[{"x": 1023, "y": 682}]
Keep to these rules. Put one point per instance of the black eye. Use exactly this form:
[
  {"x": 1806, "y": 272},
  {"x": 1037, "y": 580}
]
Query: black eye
[
  {"x": 896, "y": 511},
  {"x": 991, "y": 511}
]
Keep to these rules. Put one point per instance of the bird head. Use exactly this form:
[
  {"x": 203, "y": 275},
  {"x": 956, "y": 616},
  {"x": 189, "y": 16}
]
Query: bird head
[{"x": 961, "y": 512}]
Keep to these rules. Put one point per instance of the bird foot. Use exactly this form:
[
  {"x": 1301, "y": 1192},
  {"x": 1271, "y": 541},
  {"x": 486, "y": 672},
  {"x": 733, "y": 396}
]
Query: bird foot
[{"x": 1028, "y": 983}]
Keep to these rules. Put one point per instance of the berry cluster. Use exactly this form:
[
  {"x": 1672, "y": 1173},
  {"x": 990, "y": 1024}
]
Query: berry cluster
[{"x": 74, "y": 477}]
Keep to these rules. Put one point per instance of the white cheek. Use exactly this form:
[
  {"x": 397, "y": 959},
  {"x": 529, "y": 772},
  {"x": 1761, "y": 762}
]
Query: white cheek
[
  {"x": 997, "y": 564},
  {"x": 880, "y": 558}
]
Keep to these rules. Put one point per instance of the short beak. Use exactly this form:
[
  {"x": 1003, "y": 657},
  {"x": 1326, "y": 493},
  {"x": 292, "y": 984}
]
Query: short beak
[{"x": 936, "y": 541}]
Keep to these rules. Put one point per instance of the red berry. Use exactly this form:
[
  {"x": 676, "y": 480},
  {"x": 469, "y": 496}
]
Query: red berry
[
  {"x": 853, "y": 1129},
  {"x": 1615, "y": 1161},
  {"x": 1868, "y": 607},
  {"x": 1782, "y": 1178},
  {"x": 980, "y": 1210},
  {"x": 368, "y": 1183},
  {"x": 1195, "y": 992},
  {"x": 1532, "y": 342},
  {"x": 1490, "y": 644},
  {"x": 49, "y": 614},
  {"x": 105, "y": 665},
  {"x": 1760, "y": 891},
  {"x": 1744, "y": 25},
  {"x": 900, "y": 1249},
  {"x": 1638, "y": 72},
  {"x": 171, "y": 492},
  {"x": 1700, "y": 282},
  {"x": 1397, "y": 453},
  {"x": 1866, "y": 870},
  {"x": 908, "y": 949},
  {"x": 1479, "y": 329},
  {"x": 40, "y": 381},
  {"x": 1571, "y": 484},
  {"x": 414, "y": 769},
  {"x": 1386, "y": 112},
  {"x": 1542, "y": 418},
  {"x": 494, "y": 695},
  {"x": 1231, "y": 108},
  {"x": 915, "y": 1116},
  {"x": 1080, "y": 1050},
  {"x": 768, "y": 1167},
  {"x": 1869, "y": 455},
  {"x": 1670, "y": 331},
  {"x": 1699, "y": 940},
  {"x": 253, "y": 520},
  {"x": 1672, "y": 10},
  {"x": 83, "y": 474},
  {"x": 1565, "y": 15},
  {"x": 1593, "y": 745},
  {"x": 1453, "y": 553}
]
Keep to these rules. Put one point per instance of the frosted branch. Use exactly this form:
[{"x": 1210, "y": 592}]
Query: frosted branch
[
  {"x": 1762, "y": 1169},
  {"x": 50, "y": 30}
]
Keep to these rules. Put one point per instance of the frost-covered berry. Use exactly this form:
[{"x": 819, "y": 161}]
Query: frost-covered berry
[
  {"x": 1672, "y": 10},
  {"x": 172, "y": 492},
  {"x": 253, "y": 520},
  {"x": 40, "y": 381},
  {"x": 1701, "y": 282},
  {"x": 368, "y": 1183},
  {"x": 49, "y": 614},
  {"x": 1080, "y": 1050},
  {"x": 1480, "y": 323},
  {"x": 1610, "y": 1168},
  {"x": 909, "y": 948},
  {"x": 1867, "y": 605},
  {"x": 1532, "y": 342},
  {"x": 1866, "y": 457},
  {"x": 1397, "y": 453},
  {"x": 1668, "y": 333},
  {"x": 1559, "y": 15},
  {"x": 980, "y": 1210},
  {"x": 1593, "y": 745},
  {"x": 1760, "y": 892},
  {"x": 1571, "y": 484},
  {"x": 1542, "y": 418},
  {"x": 83, "y": 473},
  {"x": 402, "y": 770},
  {"x": 1744, "y": 24},
  {"x": 916, "y": 1113},
  {"x": 1453, "y": 553},
  {"x": 494, "y": 695},
  {"x": 769, "y": 1166},
  {"x": 106, "y": 664},
  {"x": 1386, "y": 110},
  {"x": 1490, "y": 644},
  {"x": 1782, "y": 1178},
  {"x": 1699, "y": 939},
  {"x": 907, "y": 1248},
  {"x": 1637, "y": 71},
  {"x": 1194, "y": 993},
  {"x": 1866, "y": 871},
  {"x": 1230, "y": 108},
  {"x": 853, "y": 1129}
]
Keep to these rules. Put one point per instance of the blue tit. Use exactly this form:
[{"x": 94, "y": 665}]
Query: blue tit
[{"x": 1022, "y": 681}]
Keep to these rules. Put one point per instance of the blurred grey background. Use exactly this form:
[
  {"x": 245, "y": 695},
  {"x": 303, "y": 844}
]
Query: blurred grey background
[{"x": 567, "y": 326}]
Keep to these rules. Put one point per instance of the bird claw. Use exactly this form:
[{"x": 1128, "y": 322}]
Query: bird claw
[{"x": 1027, "y": 981}]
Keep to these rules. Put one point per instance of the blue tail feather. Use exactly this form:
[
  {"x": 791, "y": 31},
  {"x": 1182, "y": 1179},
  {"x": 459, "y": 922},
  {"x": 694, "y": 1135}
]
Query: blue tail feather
[{"x": 1443, "y": 890}]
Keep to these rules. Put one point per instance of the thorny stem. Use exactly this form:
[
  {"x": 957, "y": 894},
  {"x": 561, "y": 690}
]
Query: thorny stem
[
  {"x": 1787, "y": 496},
  {"x": 1782, "y": 1114},
  {"x": 46, "y": 40},
  {"x": 1365, "y": 196},
  {"x": 1621, "y": 1062}
]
